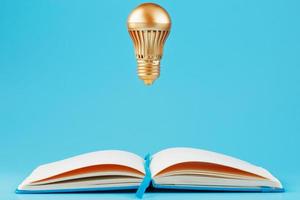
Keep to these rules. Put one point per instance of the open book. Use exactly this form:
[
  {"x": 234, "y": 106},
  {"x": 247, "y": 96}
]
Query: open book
[{"x": 174, "y": 168}]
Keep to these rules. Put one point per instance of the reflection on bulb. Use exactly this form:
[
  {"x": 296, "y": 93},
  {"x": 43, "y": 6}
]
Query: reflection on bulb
[{"x": 149, "y": 26}]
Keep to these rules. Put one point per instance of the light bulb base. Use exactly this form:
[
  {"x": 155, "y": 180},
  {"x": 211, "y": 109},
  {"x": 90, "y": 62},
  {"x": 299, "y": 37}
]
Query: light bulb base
[{"x": 148, "y": 70}]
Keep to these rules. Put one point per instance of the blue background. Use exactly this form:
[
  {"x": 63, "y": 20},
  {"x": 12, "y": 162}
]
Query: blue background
[{"x": 230, "y": 82}]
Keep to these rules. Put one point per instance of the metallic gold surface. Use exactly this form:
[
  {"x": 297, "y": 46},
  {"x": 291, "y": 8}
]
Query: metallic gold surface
[{"x": 149, "y": 26}]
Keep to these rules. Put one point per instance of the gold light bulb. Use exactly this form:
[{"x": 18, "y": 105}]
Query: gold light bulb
[{"x": 149, "y": 26}]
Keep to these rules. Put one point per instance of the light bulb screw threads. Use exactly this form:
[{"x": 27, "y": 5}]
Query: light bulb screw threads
[{"x": 148, "y": 70}]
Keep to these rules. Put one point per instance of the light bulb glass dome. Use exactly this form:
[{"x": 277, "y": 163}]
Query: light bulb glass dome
[{"x": 149, "y": 14}]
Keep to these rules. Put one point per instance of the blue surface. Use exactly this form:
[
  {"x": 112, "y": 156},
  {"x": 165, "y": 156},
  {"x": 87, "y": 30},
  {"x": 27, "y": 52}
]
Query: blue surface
[{"x": 229, "y": 83}]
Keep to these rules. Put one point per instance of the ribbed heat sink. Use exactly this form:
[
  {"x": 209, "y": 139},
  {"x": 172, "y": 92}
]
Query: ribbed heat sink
[{"x": 149, "y": 43}]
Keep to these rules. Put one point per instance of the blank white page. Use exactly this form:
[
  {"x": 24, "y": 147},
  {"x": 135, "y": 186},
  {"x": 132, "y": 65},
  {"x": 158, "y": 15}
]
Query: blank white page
[
  {"x": 89, "y": 159},
  {"x": 172, "y": 156}
]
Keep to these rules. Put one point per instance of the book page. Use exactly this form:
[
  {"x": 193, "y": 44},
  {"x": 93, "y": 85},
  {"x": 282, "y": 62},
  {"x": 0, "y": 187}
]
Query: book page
[
  {"x": 114, "y": 157},
  {"x": 172, "y": 156}
]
